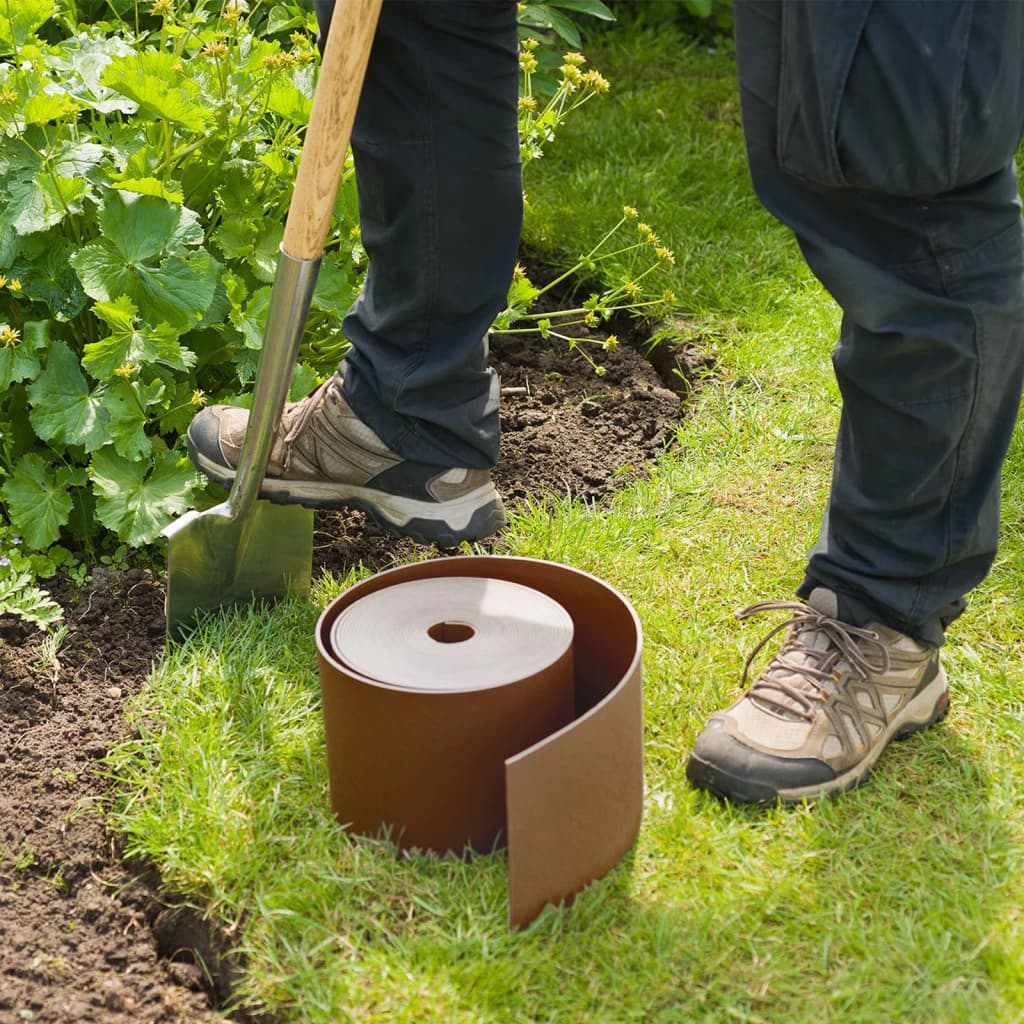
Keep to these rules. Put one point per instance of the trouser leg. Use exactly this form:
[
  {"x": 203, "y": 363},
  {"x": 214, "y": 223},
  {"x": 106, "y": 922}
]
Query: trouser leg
[
  {"x": 440, "y": 203},
  {"x": 904, "y": 201}
]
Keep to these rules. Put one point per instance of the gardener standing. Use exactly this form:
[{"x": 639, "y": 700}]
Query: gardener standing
[
  {"x": 407, "y": 429},
  {"x": 883, "y": 134}
]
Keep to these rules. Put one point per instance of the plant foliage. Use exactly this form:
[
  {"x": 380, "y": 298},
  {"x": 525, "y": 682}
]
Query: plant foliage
[
  {"x": 147, "y": 163},
  {"x": 147, "y": 156}
]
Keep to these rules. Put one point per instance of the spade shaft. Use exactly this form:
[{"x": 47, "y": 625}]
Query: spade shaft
[{"x": 246, "y": 548}]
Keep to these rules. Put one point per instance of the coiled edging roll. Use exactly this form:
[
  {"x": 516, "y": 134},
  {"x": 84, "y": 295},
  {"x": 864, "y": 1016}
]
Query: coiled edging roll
[{"x": 550, "y": 763}]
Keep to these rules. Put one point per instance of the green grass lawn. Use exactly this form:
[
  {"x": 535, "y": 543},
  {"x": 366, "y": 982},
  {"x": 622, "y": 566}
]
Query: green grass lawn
[{"x": 900, "y": 902}]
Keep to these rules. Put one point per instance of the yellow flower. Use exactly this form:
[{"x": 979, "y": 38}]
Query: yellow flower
[
  {"x": 630, "y": 212},
  {"x": 163, "y": 8},
  {"x": 9, "y": 336},
  {"x": 3, "y": 281},
  {"x": 199, "y": 398},
  {"x": 216, "y": 49},
  {"x": 126, "y": 370},
  {"x": 576, "y": 59},
  {"x": 14, "y": 284},
  {"x": 665, "y": 255},
  {"x": 596, "y": 81},
  {"x": 611, "y": 343},
  {"x": 8, "y": 96},
  {"x": 527, "y": 63},
  {"x": 527, "y": 103},
  {"x": 647, "y": 233}
]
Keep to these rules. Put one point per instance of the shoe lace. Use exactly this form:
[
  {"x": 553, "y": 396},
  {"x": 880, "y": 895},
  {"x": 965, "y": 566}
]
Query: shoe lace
[
  {"x": 809, "y": 668},
  {"x": 297, "y": 416}
]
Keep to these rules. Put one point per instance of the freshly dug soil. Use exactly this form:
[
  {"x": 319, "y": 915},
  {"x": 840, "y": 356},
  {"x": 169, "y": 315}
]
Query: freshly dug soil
[{"x": 83, "y": 936}]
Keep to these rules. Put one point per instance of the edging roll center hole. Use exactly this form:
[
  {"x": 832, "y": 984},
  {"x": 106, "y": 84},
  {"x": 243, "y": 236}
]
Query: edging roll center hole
[{"x": 450, "y": 632}]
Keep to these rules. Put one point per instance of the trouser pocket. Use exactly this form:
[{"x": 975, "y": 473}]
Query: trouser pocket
[{"x": 910, "y": 99}]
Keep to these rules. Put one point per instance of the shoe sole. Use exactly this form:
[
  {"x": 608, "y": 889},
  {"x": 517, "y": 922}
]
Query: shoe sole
[
  {"x": 927, "y": 708},
  {"x": 474, "y": 516}
]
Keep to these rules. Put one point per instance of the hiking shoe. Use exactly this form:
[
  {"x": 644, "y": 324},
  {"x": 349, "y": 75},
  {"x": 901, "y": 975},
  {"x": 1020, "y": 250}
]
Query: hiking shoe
[
  {"x": 324, "y": 456},
  {"x": 817, "y": 718}
]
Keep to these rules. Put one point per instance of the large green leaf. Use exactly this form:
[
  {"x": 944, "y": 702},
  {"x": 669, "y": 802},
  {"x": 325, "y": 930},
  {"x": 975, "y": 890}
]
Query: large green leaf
[
  {"x": 132, "y": 343},
  {"x": 47, "y": 277},
  {"x": 139, "y": 227},
  {"x": 335, "y": 290},
  {"x": 137, "y": 231},
  {"x": 128, "y": 402},
  {"x": 266, "y": 252},
  {"x": 30, "y": 97},
  {"x": 43, "y": 202},
  {"x": 138, "y": 500},
  {"x": 252, "y": 320},
  {"x": 81, "y": 60},
  {"x": 63, "y": 408},
  {"x": 19, "y": 19},
  {"x": 287, "y": 101},
  {"x": 37, "y": 500},
  {"x": 157, "y": 83},
  {"x": 44, "y": 180}
]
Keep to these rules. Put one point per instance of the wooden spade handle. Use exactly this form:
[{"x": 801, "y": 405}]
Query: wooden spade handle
[{"x": 330, "y": 127}]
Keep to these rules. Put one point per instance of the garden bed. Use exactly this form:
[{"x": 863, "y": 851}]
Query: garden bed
[{"x": 83, "y": 936}]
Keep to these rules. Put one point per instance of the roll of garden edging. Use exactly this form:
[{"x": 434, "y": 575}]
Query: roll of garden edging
[{"x": 497, "y": 701}]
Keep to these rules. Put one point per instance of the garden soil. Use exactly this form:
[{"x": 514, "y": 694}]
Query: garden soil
[{"x": 87, "y": 937}]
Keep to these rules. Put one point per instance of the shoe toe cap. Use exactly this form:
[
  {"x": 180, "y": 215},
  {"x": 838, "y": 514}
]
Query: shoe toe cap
[
  {"x": 204, "y": 436},
  {"x": 726, "y": 766}
]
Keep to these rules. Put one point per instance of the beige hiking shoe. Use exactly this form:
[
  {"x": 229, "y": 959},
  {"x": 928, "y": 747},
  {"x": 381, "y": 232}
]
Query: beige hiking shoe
[
  {"x": 817, "y": 718},
  {"x": 324, "y": 456}
]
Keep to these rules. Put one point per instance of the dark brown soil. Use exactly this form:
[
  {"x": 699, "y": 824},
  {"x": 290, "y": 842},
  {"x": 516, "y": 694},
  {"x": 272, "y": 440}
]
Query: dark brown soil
[{"x": 83, "y": 937}]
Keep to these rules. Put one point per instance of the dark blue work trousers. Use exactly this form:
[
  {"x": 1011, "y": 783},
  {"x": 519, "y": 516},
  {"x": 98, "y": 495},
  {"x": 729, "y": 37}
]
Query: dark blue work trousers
[
  {"x": 436, "y": 148},
  {"x": 883, "y": 135}
]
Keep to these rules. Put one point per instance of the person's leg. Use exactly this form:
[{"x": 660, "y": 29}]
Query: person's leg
[
  {"x": 440, "y": 201},
  {"x": 931, "y": 353},
  {"x": 408, "y": 427},
  {"x": 867, "y": 135}
]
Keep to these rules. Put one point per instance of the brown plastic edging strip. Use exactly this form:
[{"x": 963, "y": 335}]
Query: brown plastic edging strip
[{"x": 563, "y": 786}]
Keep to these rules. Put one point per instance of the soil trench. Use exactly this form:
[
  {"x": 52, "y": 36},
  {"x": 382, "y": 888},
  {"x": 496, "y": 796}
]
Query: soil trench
[{"x": 83, "y": 935}]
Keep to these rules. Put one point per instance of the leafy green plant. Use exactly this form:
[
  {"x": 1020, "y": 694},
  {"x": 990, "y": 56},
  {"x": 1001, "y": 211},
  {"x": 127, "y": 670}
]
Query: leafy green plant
[
  {"x": 147, "y": 165},
  {"x": 622, "y": 264},
  {"x": 635, "y": 258},
  {"x": 148, "y": 155}
]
